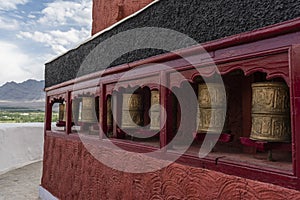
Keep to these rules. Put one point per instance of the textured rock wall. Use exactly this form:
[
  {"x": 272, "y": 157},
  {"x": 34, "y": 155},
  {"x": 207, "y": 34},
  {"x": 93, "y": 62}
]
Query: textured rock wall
[
  {"x": 71, "y": 172},
  {"x": 202, "y": 20},
  {"x": 108, "y": 12}
]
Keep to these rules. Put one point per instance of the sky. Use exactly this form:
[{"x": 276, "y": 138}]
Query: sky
[{"x": 33, "y": 32}]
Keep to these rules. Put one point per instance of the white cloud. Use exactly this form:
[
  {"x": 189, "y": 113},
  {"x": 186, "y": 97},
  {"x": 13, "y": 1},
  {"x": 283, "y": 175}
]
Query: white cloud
[
  {"x": 59, "y": 41},
  {"x": 16, "y": 65},
  {"x": 8, "y": 23},
  {"x": 55, "y": 27},
  {"x": 11, "y": 4},
  {"x": 30, "y": 16},
  {"x": 67, "y": 12}
]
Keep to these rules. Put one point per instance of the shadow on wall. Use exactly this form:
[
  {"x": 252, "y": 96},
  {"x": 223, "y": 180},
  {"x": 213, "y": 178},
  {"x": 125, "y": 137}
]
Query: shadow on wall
[{"x": 20, "y": 145}]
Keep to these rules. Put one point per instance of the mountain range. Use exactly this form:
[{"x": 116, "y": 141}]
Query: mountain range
[
  {"x": 29, "y": 94},
  {"x": 30, "y": 90}
]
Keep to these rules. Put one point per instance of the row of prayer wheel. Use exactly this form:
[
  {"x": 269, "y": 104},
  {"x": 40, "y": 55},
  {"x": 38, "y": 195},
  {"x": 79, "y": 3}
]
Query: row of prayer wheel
[
  {"x": 270, "y": 110},
  {"x": 87, "y": 110}
]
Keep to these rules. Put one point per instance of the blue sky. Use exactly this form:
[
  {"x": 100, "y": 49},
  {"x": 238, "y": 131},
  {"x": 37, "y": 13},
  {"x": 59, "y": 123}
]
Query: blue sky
[{"x": 34, "y": 31}]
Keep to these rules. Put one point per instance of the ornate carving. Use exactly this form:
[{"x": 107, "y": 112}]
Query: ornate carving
[
  {"x": 274, "y": 66},
  {"x": 211, "y": 94},
  {"x": 132, "y": 119},
  {"x": 75, "y": 110},
  {"x": 155, "y": 98},
  {"x": 270, "y": 98},
  {"x": 71, "y": 172},
  {"x": 132, "y": 113},
  {"x": 132, "y": 101},
  {"x": 62, "y": 112},
  {"x": 88, "y": 110},
  {"x": 273, "y": 128},
  {"x": 155, "y": 111},
  {"x": 211, "y": 118},
  {"x": 212, "y": 104},
  {"x": 270, "y": 112}
]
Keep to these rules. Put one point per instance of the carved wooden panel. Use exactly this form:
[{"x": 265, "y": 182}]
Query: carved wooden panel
[
  {"x": 91, "y": 91},
  {"x": 71, "y": 172},
  {"x": 273, "y": 65},
  {"x": 58, "y": 98}
]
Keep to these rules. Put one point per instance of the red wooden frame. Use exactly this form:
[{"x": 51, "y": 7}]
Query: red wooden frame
[{"x": 274, "y": 50}]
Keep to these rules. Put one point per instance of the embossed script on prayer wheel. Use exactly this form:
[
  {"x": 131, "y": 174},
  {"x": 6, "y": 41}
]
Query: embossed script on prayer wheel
[
  {"x": 75, "y": 110},
  {"x": 132, "y": 112},
  {"x": 212, "y": 104},
  {"x": 270, "y": 112},
  {"x": 88, "y": 110},
  {"x": 155, "y": 111},
  {"x": 109, "y": 116}
]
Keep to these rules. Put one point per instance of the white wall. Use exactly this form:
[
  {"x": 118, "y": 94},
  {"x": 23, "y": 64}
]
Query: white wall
[{"x": 20, "y": 145}]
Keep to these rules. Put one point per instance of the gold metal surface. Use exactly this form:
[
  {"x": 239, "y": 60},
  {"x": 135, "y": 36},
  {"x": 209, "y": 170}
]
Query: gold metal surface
[
  {"x": 211, "y": 118},
  {"x": 62, "y": 112},
  {"x": 75, "y": 110},
  {"x": 132, "y": 111},
  {"x": 270, "y": 98},
  {"x": 212, "y": 104},
  {"x": 132, "y": 102},
  {"x": 211, "y": 95},
  {"x": 88, "y": 114},
  {"x": 155, "y": 111},
  {"x": 273, "y": 128},
  {"x": 270, "y": 112}
]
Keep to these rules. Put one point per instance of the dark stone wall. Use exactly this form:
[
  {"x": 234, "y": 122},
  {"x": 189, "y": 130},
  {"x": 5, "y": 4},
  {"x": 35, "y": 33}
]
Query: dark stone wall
[{"x": 202, "y": 20}]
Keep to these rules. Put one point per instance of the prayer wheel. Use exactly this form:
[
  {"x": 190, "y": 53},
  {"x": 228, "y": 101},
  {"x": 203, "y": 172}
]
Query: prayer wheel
[
  {"x": 75, "y": 110},
  {"x": 212, "y": 104},
  {"x": 155, "y": 111},
  {"x": 270, "y": 112},
  {"x": 62, "y": 112},
  {"x": 132, "y": 111},
  {"x": 88, "y": 110},
  {"x": 109, "y": 116}
]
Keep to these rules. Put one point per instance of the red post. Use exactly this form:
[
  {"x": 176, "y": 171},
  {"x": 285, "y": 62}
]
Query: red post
[
  {"x": 48, "y": 114},
  {"x": 163, "y": 115},
  {"x": 102, "y": 111},
  {"x": 295, "y": 106},
  {"x": 69, "y": 113}
]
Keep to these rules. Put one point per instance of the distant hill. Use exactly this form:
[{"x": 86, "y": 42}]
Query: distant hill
[{"x": 30, "y": 90}]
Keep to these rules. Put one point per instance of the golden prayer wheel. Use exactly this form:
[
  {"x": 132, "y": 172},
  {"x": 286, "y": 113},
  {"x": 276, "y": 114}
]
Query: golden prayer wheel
[
  {"x": 109, "y": 116},
  {"x": 75, "y": 110},
  {"x": 132, "y": 111},
  {"x": 88, "y": 110},
  {"x": 155, "y": 111},
  {"x": 212, "y": 104},
  {"x": 62, "y": 112},
  {"x": 270, "y": 112}
]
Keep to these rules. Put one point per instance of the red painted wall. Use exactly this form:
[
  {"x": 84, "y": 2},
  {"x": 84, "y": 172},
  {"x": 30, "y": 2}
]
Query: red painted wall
[
  {"x": 71, "y": 172},
  {"x": 108, "y": 12}
]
